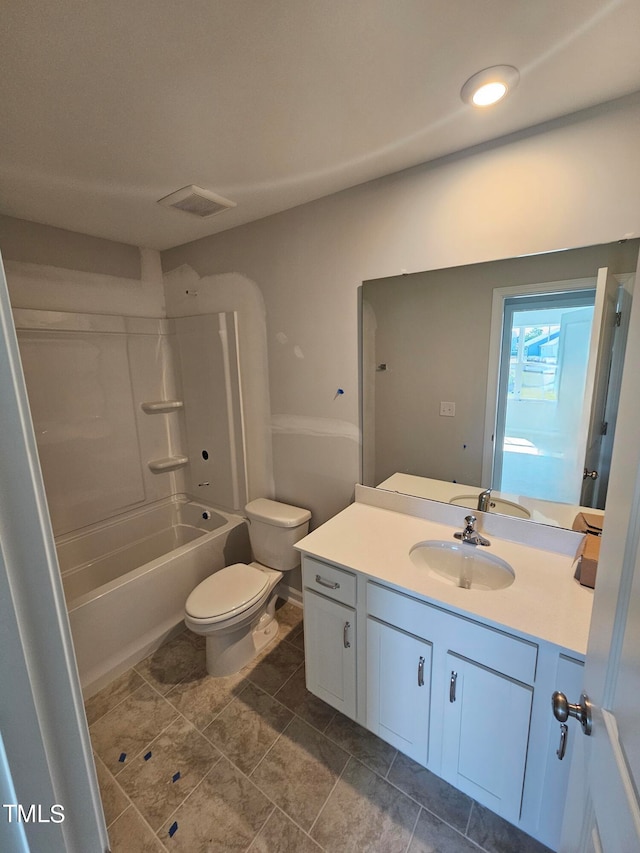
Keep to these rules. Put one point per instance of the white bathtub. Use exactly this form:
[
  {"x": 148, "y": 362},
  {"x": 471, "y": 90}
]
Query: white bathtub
[{"x": 126, "y": 580}]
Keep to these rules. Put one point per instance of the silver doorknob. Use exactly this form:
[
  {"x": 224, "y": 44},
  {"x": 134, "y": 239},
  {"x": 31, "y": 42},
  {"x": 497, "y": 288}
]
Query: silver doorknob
[
  {"x": 562, "y": 710},
  {"x": 591, "y": 475}
]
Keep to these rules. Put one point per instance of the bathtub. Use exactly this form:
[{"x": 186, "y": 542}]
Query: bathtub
[{"x": 126, "y": 580}]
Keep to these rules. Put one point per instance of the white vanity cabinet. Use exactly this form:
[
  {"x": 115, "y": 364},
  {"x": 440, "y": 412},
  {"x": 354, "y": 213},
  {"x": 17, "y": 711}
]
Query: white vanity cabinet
[
  {"x": 463, "y": 698},
  {"x": 479, "y": 700},
  {"x": 330, "y": 637}
]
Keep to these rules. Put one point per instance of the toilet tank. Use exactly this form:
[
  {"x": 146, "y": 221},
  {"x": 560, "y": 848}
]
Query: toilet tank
[{"x": 274, "y": 528}]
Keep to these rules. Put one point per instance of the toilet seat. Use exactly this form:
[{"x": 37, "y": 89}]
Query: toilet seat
[{"x": 226, "y": 593}]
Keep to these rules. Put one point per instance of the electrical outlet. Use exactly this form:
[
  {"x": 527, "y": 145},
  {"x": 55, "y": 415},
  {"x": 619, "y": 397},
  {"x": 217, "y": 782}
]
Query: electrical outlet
[{"x": 447, "y": 410}]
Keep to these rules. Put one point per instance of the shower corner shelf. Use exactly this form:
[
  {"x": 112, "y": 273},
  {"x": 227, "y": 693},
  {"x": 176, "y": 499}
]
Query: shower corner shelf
[
  {"x": 156, "y": 407},
  {"x": 170, "y": 463}
]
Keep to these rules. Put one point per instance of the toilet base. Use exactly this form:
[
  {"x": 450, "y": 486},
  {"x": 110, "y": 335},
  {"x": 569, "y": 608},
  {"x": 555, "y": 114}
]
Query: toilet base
[{"x": 229, "y": 653}]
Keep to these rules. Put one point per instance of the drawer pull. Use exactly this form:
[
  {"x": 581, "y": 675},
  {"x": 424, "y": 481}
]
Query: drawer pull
[
  {"x": 421, "y": 672},
  {"x": 452, "y": 686},
  {"x": 328, "y": 584},
  {"x": 564, "y": 729},
  {"x": 345, "y": 640}
]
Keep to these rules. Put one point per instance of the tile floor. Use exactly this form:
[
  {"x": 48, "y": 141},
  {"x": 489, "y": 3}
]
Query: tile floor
[{"x": 254, "y": 762}]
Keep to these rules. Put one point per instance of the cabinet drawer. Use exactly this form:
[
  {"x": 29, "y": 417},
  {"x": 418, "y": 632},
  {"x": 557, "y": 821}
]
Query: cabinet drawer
[
  {"x": 487, "y": 646},
  {"x": 329, "y": 580}
]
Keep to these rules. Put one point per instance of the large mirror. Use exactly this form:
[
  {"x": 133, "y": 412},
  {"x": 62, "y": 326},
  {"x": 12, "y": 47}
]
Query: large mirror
[{"x": 498, "y": 376}]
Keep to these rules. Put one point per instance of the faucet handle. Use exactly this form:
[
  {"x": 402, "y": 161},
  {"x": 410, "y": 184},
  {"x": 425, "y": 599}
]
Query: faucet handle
[{"x": 471, "y": 520}]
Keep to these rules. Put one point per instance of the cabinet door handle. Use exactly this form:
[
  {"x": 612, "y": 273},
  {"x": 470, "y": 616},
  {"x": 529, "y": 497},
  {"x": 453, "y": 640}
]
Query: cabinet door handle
[
  {"x": 328, "y": 584},
  {"x": 564, "y": 729},
  {"x": 452, "y": 686},
  {"x": 345, "y": 641},
  {"x": 421, "y": 672}
]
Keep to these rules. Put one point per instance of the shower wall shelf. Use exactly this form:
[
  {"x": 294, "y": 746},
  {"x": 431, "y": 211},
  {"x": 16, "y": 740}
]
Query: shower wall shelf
[
  {"x": 156, "y": 407},
  {"x": 159, "y": 466}
]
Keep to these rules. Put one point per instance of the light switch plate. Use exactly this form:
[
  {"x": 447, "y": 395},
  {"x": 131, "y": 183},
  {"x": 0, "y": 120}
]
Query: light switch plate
[{"x": 447, "y": 410}]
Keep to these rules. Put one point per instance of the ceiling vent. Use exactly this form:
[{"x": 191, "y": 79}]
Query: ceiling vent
[{"x": 197, "y": 201}]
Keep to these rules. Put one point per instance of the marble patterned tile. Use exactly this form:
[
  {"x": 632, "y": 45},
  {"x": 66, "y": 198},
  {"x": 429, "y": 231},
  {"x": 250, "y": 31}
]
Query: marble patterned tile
[
  {"x": 496, "y": 835},
  {"x": 281, "y": 835},
  {"x": 296, "y": 638},
  {"x": 248, "y": 726},
  {"x": 130, "y": 834},
  {"x": 150, "y": 778},
  {"x": 289, "y": 618},
  {"x": 431, "y": 835},
  {"x": 364, "y": 812},
  {"x": 294, "y": 695},
  {"x": 222, "y": 815},
  {"x": 171, "y": 663},
  {"x": 429, "y": 790},
  {"x": 131, "y": 726},
  {"x": 200, "y": 697},
  {"x": 114, "y": 800},
  {"x": 271, "y": 669},
  {"x": 300, "y": 770},
  {"x": 364, "y": 745},
  {"x": 111, "y": 695}
]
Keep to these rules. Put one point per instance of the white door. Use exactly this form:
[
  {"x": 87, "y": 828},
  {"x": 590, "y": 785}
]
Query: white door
[
  {"x": 45, "y": 752},
  {"x": 603, "y": 811},
  {"x": 601, "y": 357}
]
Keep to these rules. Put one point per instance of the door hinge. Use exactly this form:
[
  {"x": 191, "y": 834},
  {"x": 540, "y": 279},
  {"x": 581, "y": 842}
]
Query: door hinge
[
  {"x": 604, "y": 428},
  {"x": 618, "y": 319}
]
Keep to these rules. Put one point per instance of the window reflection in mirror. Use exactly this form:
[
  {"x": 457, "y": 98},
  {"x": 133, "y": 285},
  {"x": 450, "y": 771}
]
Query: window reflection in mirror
[{"x": 430, "y": 378}]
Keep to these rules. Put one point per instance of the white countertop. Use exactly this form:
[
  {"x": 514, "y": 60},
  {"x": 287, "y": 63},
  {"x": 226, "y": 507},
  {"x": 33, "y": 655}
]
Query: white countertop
[
  {"x": 544, "y": 512},
  {"x": 544, "y": 602}
]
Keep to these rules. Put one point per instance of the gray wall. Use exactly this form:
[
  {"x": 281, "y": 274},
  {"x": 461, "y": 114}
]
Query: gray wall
[
  {"x": 574, "y": 182},
  {"x": 33, "y": 243}
]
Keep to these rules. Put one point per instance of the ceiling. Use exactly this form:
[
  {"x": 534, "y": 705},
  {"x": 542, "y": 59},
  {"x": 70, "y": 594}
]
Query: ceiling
[{"x": 108, "y": 105}]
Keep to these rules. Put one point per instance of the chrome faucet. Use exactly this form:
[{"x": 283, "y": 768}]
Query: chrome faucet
[
  {"x": 484, "y": 500},
  {"x": 470, "y": 535}
]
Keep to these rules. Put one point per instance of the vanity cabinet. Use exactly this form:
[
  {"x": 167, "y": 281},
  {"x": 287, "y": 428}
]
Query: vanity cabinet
[
  {"x": 484, "y": 735},
  {"x": 398, "y": 688},
  {"x": 330, "y": 636},
  {"x": 465, "y": 699},
  {"x": 479, "y": 700}
]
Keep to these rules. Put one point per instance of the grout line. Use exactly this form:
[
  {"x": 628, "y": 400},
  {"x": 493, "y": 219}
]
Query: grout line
[
  {"x": 98, "y": 760},
  {"x": 466, "y": 831},
  {"x": 280, "y": 734},
  {"x": 147, "y": 824},
  {"x": 413, "y": 831},
  {"x": 282, "y": 686},
  {"x": 393, "y": 761},
  {"x": 183, "y": 801},
  {"x": 333, "y": 787},
  {"x": 117, "y": 705},
  {"x": 144, "y": 748},
  {"x": 267, "y": 819}
]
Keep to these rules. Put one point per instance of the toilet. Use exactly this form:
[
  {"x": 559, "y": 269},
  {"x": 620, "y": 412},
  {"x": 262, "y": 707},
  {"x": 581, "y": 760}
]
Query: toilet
[{"x": 234, "y": 609}]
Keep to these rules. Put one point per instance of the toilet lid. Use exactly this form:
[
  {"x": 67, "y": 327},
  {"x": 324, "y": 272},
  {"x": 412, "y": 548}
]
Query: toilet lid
[{"x": 227, "y": 592}]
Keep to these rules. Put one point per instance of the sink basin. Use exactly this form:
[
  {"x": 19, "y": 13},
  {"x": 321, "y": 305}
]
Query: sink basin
[
  {"x": 495, "y": 505},
  {"x": 462, "y": 565}
]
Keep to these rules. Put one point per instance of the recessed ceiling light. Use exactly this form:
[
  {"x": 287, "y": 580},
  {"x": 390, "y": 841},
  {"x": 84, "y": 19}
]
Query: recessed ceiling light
[{"x": 490, "y": 85}]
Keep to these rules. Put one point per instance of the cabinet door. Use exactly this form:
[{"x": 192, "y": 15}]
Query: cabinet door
[
  {"x": 330, "y": 654},
  {"x": 486, "y": 730},
  {"x": 398, "y": 688}
]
